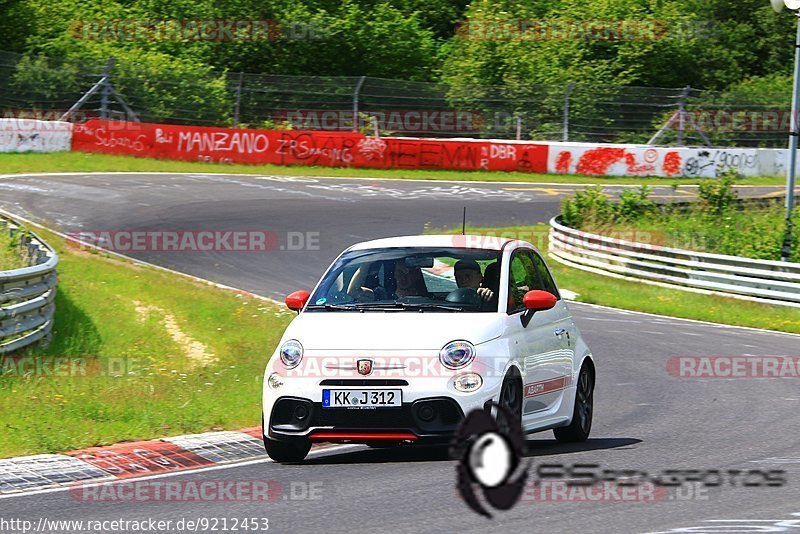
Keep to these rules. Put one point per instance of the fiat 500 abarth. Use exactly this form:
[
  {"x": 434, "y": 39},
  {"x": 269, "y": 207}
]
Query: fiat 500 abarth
[{"x": 403, "y": 337}]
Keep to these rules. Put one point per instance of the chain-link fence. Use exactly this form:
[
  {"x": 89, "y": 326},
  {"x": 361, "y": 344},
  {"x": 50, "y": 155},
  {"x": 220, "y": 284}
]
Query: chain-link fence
[{"x": 181, "y": 94}]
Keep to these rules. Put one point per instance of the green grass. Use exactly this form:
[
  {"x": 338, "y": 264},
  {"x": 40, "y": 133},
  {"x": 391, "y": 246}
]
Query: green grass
[
  {"x": 597, "y": 289},
  {"x": 85, "y": 162},
  {"x": 11, "y": 255},
  {"x": 755, "y": 232},
  {"x": 140, "y": 381}
]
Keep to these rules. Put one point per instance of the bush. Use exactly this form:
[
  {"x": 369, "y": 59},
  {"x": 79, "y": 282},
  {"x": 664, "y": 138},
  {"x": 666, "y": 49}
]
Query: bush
[
  {"x": 717, "y": 196},
  {"x": 591, "y": 208},
  {"x": 635, "y": 204}
]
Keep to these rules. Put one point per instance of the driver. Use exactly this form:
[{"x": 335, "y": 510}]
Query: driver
[{"x": 468, "y": 275}]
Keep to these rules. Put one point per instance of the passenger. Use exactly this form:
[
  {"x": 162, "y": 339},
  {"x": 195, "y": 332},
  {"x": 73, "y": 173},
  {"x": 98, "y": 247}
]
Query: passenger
[{"x": 468, "y": 274}]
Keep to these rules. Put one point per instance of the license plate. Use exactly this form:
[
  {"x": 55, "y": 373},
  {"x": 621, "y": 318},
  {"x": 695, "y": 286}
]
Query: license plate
[{"x": 362, "y": 398}]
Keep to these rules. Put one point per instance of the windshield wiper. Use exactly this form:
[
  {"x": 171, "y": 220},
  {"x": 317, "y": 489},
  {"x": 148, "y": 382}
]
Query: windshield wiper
[
  {"x": 431, "y": 306},
  {"x": 334, "y": 307},
  {"x": 397, "y": 305}
]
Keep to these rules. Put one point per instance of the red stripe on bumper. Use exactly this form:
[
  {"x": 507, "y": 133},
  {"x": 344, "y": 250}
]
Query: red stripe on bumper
[{"x": 362, "y": 436}]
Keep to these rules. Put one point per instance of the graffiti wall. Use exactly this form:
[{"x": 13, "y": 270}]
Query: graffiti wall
[
  {"x": 636, "y": 160},
  {"x": 30, "y": 135},
  {"x": 297, "y": 147},
  {"x": 345, "y": 149}
]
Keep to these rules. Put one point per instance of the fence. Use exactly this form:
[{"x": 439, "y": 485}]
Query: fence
[
  {"x": 27, "y": 294},
  {"x": 46, "y": 88},
  {"x": 772, "y": 282}
]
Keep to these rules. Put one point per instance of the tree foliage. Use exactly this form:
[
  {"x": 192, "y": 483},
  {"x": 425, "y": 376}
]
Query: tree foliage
[{"x": 737, "y": 46}]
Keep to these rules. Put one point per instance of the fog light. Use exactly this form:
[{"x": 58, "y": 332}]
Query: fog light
[
  {"x": 468, "y": 383},
  {"x": 275, "y": 381},
  {"x": 426, "y": 413},
  {"x": 300, "y": 412}
]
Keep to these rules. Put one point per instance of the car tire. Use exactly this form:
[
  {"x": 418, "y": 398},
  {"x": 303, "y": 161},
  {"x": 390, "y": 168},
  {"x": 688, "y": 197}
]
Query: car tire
[
  {"x": 287, "y": 451},
  {"x": 581, "y": 425},
  {"x": 511, "y": 399}
]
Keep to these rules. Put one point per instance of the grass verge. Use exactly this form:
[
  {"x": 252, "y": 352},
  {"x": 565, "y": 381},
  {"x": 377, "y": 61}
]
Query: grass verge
[
  {"x": 85, "y": 162},
  {"x": 137, "y": 353},
  {"x": 11, "y": 256},
  {"x": 597, "y": 289}
]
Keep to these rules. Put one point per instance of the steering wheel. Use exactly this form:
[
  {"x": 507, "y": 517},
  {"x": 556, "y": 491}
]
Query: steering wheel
[{"x": 464, "y": 295}]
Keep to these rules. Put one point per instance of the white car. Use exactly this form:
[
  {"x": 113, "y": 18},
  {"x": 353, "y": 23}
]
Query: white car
[{"x": 402, "y": 337}]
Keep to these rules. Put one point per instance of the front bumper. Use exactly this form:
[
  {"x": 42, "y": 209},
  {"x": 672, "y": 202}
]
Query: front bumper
[{"x": 428, "y": 420}]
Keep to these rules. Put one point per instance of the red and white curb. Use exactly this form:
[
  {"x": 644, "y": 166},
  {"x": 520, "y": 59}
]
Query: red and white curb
[{"x": 127, "y": 460}]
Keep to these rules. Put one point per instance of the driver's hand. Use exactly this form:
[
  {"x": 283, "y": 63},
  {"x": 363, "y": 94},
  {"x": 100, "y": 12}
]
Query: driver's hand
[{"x": 485, "y": 293}]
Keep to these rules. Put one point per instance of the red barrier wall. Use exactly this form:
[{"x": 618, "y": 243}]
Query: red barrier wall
[{"x": 331, "y": 149}]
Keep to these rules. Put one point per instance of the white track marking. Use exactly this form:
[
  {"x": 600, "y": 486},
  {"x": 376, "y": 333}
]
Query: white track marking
[{"x": 335, "y": 449}]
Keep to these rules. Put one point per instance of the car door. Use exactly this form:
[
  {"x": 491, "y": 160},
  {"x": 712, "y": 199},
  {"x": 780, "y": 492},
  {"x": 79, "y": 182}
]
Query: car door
[
  {"x": 563, "y": 330},
  {"x": 538, "y": 339}
]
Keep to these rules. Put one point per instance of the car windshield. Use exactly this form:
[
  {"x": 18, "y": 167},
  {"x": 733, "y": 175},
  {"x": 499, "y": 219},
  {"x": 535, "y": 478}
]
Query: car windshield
[{"x": 442, "y": 280}]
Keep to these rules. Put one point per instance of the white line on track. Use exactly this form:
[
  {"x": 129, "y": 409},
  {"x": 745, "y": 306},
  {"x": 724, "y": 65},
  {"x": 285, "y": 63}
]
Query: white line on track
[
  {"x": 335, "y": 449},
  {"x": 370, "y": 178}
]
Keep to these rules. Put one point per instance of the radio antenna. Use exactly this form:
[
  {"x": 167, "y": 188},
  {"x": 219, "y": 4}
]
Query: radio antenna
[{"x": 464, "y": 222}]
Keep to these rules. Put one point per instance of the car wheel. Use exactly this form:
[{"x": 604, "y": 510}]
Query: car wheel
[
  {"x": 581, "y": 425},
  {"x": 511, "y": 400},
  {"x": 287, "y": 451}
]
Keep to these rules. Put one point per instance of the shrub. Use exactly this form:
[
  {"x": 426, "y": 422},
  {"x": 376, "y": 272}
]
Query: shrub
[
  {"x": 634, "y": 204},
  {"x": 717, "y": 196},
  {"x": 589, "y": 207}
]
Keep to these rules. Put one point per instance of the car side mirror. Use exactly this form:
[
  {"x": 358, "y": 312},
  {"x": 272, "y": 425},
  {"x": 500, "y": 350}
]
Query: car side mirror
[
  {"x": 297, "y": 300},
  {"x": 538, "y": 300}
]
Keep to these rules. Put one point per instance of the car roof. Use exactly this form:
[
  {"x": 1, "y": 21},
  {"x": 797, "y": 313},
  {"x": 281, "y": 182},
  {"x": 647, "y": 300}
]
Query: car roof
[{"x": 453, "y": 241}]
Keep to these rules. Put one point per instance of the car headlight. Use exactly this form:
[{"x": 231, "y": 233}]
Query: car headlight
[
  {"x": 291, "y": 353},
  {"x": 457, "y": 354},
  {"x": 467, "y": 383}
]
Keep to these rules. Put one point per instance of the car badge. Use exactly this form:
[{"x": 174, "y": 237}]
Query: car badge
[{"x": 364, "y": 367}]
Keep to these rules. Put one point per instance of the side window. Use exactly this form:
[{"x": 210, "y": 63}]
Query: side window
[
  {"x": 544, "y": 275},
  {"x": 523, "y": 277},
  {"x": 527, "y": 272}
]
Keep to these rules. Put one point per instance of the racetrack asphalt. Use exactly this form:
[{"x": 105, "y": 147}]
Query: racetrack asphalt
[{"x": 645, "y": 418}]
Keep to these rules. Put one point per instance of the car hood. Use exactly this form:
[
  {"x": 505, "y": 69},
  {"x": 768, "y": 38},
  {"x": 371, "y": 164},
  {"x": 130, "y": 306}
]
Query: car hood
[{"x": 406, "y": 330}]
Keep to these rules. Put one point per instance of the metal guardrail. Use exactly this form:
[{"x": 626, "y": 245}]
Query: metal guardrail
[
  {"x": 27, "y": 294},
  {"x": 772, "y": 282}
]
